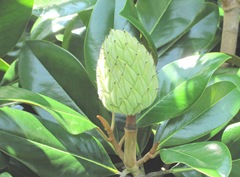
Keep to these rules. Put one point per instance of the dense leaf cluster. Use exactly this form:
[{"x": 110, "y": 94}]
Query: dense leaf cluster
[{"x": 49, "y": 101}]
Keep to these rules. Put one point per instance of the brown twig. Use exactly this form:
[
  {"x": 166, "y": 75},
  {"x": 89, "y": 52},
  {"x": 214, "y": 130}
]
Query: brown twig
[
  {"x": 130, "y": 142},
  {"x": 150, "y": 155},
  {"x": 121, "y": 141},
  {"x": 111, "y": 138}
]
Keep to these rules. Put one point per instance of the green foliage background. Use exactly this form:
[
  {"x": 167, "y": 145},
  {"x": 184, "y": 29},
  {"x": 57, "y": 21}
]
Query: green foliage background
[{"x": 48, "y": 92}]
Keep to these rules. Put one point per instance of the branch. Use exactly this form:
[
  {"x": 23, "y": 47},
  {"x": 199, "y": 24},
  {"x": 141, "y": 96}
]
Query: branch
[
  {"x": 230, "y": 26},
  {"x": 111, "y": 138},
  {"x": 150, "y": 155}
]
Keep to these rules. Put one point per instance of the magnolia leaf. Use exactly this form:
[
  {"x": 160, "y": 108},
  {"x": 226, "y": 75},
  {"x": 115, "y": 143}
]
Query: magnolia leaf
[
  {"x": 96, "y": 31},
  {"x": 235, "y": 168},
  {"x": 209, "y": 158},
  {"x": 50, "y": 70},
  {"x": 196, "y": 38},
  {"x": 48, "y": 150},
  {"x": 72, "y": 121},
  {"x": 181, "y": 83},
  {"x": 212, "y": 110},
  {"x": 231, "y": 137},
  {"x": 14, "y": 18}
]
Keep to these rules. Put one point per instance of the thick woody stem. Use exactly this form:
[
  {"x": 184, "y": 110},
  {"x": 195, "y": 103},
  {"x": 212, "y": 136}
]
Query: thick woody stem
[
  {"x": 130, "y": 144},
  {"x": 230, "y": 25}
]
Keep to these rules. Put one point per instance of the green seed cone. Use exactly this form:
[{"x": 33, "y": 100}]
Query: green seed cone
[{"x": 126, "y": 75}]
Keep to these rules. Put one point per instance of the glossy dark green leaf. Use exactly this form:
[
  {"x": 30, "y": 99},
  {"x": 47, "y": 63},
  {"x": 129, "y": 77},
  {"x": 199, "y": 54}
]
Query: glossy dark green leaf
[
  {"x": 226, "y": 74},
  {"x": 214, "y": 134},
  {"x": 180, "y": 84},
  {"x": 72, "y": 121},
  {"x": 14, "y": 16},
  {"x": 48, "y": 28},
  {"x": 13, "y": 54},
  {"x": 96, "y": 33},
  {"x": 196, "y": 39},
  {"x": 73, "y": 39},
  {"x": 48, "y": 150},
  {"x": 210, "y": 158},
  {"x": 99, "y": 26},
  {"x": 181, "y": 170},
  {"x": 215, "y": 43},
  {"x": 56, "y": 8},
  {"x": 174, "y": 17},
  {"x": 57, "y": 17},
  {"x": 52, "y": 71},
  {"x": 216, "y": 107},
  {"x": 231, "y": 137},
  {"x": 150, "y": 13},
  {"x": 235, "y": 168},
  {"x": 130, "y": 13}
]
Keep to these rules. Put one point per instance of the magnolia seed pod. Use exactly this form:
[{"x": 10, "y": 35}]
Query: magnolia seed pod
[{"x": 126, "y": 75}]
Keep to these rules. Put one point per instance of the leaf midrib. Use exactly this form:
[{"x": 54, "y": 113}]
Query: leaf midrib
[
  {"x": 57, "y": 149},
  {"x": 196, "y": 159},
  {"x": 192, "y": 120}
]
